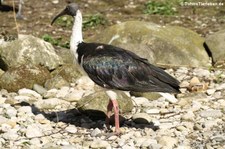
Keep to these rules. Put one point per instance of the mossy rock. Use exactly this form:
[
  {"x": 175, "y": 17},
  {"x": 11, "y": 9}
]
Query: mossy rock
[
  {"x": 162, "y": 45},
  {"x": 24, "y": 76},
  {"x": 96, "y": 104},
  {"x": 69, "y": 72}
]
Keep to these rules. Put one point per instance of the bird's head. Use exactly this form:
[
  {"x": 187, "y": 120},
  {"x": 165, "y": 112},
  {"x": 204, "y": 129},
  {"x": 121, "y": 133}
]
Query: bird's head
[{"x": 71, "y": 9}]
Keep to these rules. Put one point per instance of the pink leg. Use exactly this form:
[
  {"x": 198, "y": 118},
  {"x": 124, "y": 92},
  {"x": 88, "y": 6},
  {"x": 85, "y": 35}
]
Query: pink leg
[
  {"x": 108, "y": 114},
  {"x": 113, "y": 104},
  {"x": 116, "y": 113}
]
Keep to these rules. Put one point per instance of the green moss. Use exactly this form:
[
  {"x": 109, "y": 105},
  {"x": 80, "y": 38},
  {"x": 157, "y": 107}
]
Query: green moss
[{"x": 161, "y": 8}]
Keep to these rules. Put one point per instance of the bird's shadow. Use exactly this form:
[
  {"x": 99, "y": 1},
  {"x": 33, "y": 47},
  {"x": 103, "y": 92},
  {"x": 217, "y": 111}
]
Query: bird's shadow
[
  {"x": 88, "y": 119},
  {"x": 6, "y": 8}
]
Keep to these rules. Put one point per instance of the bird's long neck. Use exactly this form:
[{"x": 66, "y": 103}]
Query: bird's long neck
[{"x": 76, "y": 36}]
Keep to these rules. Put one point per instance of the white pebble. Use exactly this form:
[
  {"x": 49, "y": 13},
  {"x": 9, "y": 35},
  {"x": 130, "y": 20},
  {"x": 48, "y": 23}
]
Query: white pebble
[
  {"x": 210, "y": 91},
  {"x": 95, "y": 132},
  {"x": 100, "y": 144},
  {"x": 211, "y": 113},
  {"x": 62, "y": 92},
  {"x": 140, "y": 101},
  {"x": 51, "y": 93},
  {"x": 29, "y": 92},
  {"x": 168, "y": 142},
  {"x": 75, "y": 95},
  {"x": 33, "y": 131},
  {"x": 71, "y": 129}
]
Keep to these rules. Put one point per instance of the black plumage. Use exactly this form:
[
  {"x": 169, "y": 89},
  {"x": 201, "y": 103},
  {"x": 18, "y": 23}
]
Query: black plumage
[{"x": 115, "y": 68}]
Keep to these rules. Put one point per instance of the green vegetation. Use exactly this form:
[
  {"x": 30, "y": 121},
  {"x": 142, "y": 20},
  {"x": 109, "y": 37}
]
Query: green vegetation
[
  {"x": 88, "y": 21},
  {"x": 55, "y": 42},
  {"x": 94, "y": 20},
  {"x": 219, "y": 78},
  {"x": 161, "y": 8},
  {"x": 64, "y": 21}
]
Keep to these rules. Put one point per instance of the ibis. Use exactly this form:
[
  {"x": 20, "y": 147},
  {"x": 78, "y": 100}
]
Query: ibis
[{"x": 115, "y": 68}]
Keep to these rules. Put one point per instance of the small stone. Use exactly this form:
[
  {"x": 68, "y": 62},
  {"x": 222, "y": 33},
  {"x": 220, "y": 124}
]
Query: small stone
[
  {"x": 5, "y": 127},
  {"x": 41, "y": 119},
  {"x": 75, "y": 95},
  {"x": 71, "y": 129},
  {"x": 139, "y": 141},
  {"x": 69, "y": 147},
  {"x": 140, "y": 101},
  {"x": 39, "y": 89},
  {"x": 169, "y": 97},
  {"x": 189, "y": 116},
  {"x": 218, "y": 138},
  {"x": 148, "y": 143},
  {"x": 221, "y": 87},
  {"x": 3, "y": 120},
  {"x": 51, "y": 103},
  {"x": 181, "y": 128},
  {"x": 1, "y": 72},
  {"x": 62, "y": 92},
  {"x": 153, "y": 111},
  {"x": 210, "y": 123},
  {"x": 21, "y": 98},
  {"x": 210, "y": 91},
  {"x": 184, "y": 84},
  {"x": 194, "y": 81},
  {"x": 51, "y": 93},
  {"x": 62, "y": 142},
  {"x": 25, "y": 109},
  {"x": 197, "y": 127},
  {"x": 196, "y": 106},
  {"x": 183, "y": 102},
  {"x": 111, "y": 138},
  {"x": 201, "y": 72},
  {"x": 121, "y": 142},
  {"x": 155, "y": 146},
  {"x": 96, "y": 144},
  {"x": 29, "y": 92},
  {"x": 11, "y": 112},
  {"x": 55, "y": 1},
  {"x": 33, "y": 131},
  {"x": 11, "y": 135},
  {"x": 211, "y": 113},
  {"x": 2, "y": 99},
  {"x": 85, "y": 83},
  {"x": 168, "y": 142},
  {"x": 35, "y": 141},
  {"x": 95, "y": 132}
]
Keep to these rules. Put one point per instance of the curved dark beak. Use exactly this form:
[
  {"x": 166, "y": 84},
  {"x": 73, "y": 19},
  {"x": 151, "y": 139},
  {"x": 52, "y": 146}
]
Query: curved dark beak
[{"x": 59, "y": 15}]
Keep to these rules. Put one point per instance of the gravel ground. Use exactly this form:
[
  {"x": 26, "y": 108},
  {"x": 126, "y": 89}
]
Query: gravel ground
[{"x": 46, "y": 119}]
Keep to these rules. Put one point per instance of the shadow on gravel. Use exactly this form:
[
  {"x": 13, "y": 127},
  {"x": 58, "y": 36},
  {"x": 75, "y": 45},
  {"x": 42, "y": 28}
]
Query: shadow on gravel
[{"x": 87, "y": 120}]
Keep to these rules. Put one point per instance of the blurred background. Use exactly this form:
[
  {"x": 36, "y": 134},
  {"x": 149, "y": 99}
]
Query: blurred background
[{"x": 98, "y": 14}]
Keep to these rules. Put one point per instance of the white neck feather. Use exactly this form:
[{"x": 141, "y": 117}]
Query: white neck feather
[{"x": 76, "y": 36}]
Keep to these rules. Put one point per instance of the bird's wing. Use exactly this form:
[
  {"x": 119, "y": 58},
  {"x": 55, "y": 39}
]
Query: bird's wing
[{"x": 115, "y": 68}]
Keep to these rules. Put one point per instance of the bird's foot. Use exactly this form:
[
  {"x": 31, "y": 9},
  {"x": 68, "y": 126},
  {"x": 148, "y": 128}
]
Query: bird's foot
[{"x": 19, "y": 16}]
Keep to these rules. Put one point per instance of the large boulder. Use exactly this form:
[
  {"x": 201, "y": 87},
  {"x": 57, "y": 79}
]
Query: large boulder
[
  {"x": 70, "y": 72},
  {"x": 215, "y": 44},
  {"x": 96, "y": 104},
  {"x": 28, "y": 49},
  {"x": 24, "y": 76},
  {"x": 166, "y": 45}
]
